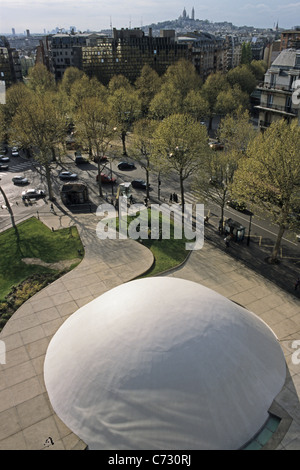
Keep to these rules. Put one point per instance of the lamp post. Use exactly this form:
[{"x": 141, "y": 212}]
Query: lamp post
[
  {"x": 249, "y": 231},
  {"x": 158, "y": 185}
]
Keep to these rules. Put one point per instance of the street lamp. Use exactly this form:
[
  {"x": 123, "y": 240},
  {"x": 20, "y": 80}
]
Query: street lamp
[{"x": 249, "y": 231}]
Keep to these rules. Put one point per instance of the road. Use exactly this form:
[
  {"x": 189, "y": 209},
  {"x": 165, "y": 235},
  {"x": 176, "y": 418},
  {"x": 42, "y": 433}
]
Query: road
[{"x": 263, "y": 231}]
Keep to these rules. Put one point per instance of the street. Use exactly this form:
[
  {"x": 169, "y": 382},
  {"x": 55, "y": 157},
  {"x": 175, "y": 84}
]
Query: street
[{"x": 263, "y": 232}]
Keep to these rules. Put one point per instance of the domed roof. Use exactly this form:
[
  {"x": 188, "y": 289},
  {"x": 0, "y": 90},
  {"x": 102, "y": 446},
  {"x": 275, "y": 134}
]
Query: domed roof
[{"x": 163, "y": 363}]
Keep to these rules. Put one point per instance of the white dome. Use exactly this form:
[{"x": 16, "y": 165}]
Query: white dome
[{"x": 163, "y": 363}]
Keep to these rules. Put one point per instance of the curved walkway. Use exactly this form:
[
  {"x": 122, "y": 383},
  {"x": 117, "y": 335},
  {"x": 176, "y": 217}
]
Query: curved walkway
[{"x": 27, "y": 420}]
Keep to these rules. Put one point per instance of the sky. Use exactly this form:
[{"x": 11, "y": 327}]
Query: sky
[{"x": 96, "y": 15}]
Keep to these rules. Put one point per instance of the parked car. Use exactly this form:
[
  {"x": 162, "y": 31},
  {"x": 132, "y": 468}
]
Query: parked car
[
  {"x": 105, "y": 179},
  {"x": 20, "y": 180},
  {"x": 102, "y": 159},
  {"x": 79, "y": 160},
  {"x": 237, "y": 205},
  {"x": 3, "y": 159},
  {"x": 3, "y": 167},
  {"x": 139, "y": 184},
  {"x": 216, "y": 145},
  {"x": 33, "y": 194},
  {"x": 67, "y": 175},
  {"x": 126, "y": 166},
  {"x": 15, "y": 152}
]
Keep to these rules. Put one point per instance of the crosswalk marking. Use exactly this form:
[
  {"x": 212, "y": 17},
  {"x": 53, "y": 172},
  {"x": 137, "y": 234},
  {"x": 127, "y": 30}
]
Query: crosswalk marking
[{"x": 16, "y": 168}]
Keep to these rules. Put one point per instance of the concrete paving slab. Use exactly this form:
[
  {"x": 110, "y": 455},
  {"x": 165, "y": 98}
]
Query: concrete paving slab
[{"x": 26, "y": 416}]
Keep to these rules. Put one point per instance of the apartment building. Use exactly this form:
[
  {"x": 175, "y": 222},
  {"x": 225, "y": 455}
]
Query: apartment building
[
  {"x": 281, "y": 81},
  {"x": 208, "y": 53},
  {"x": 290, "y": 39},
  {"x": 127, "y": 52},
  {"x": 10, "y": 66}
]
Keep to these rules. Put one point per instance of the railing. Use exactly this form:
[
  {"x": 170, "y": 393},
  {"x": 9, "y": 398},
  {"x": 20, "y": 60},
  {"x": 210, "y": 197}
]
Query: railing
[
  {"x": 277, "y": 107},
  {"x": 269, "y": 86}
]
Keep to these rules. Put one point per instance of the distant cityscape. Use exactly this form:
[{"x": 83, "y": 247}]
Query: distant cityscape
[{"x": 211, "y": 47}]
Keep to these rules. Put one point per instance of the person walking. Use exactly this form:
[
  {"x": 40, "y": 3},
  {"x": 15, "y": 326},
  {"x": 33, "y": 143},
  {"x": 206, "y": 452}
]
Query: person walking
[{"x": 297, "y": 283}]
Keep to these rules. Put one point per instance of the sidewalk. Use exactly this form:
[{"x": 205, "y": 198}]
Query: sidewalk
[{"x": 27, "y": 420}]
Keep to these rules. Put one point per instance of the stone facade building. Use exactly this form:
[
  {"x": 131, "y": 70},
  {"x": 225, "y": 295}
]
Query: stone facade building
[{"x": 280, "y": 83}]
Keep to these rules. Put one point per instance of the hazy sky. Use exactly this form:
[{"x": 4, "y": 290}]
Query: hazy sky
[{"x": 37, "y": 15}]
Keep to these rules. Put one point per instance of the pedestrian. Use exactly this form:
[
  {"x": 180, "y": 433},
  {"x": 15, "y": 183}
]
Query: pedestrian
[
  {"x": 171, "y": 198},
  {"x": 297, "y": 283},
  {"x": 227, "y": 240},
  {"x": 51, "y": 207},
  {"x": 146, "y": 201}
]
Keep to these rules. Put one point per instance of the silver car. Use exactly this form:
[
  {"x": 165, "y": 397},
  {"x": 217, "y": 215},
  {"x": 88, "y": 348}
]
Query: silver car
[{"x": 20, "y": 180}]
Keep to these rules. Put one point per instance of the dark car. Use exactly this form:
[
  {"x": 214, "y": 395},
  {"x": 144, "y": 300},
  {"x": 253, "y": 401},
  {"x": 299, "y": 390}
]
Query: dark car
[
  {"x": 79, "y": 160},
  {"x": 237, "y": 205},
  {"x": 4, "y": 159},
  {"x": 3, "y": 167},
  {"x": 105, "y": 179},
  {"x": 33, "y": 194},
  {"x": 126, "y": 166},
  {"x": 67, "y": 175},
  {"x": 139, "y": 184}
]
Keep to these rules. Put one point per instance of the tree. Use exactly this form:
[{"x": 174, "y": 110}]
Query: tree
[
  {"x": 39, "y": 124},
  {"x": 147, "y": 85},
  {"x": 12, "y": 218},
  {"x": 269, "y": 176},
  {"x": 40, "y": 80},
  {"x": 14, "y": 97},
  {"x": 71, "y": 75},
  {"x": 230, "y": 100},
  {"x": 196, "y": 105},
  {"x": 166, "y": 102},
  {"x": 179, "y": 144},
  {"x": 142, "y": 142},
  {"x": 236, "y": 131},
  {"x": 117, "y": 82},
  {"x": 242, "y": 76},
  {"x": 86, "y": 87},
  {"x": 246, "y": 53},
  {"x": 95, "y": 128},
  {"x": 213, "y": 86},
  {"x": 183, "y": 77},
  {"x": 125, "y": 107},
  {"x": 258, "y": 68},
  {"x": 213, "y": 180}
]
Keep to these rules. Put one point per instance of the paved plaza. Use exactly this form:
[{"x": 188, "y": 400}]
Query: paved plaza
[{"x": 27, "y": 420}]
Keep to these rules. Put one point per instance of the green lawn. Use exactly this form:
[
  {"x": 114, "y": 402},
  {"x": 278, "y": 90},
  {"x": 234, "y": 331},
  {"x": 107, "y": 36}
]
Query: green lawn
[
  {"x": 167, "y": 253},
  {"x": 35, "y": 241}
]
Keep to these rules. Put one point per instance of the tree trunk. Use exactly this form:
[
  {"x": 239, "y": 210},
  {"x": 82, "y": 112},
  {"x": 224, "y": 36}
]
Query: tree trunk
[
  {"x": 277, "y": 243},
  {"x": 49, "y": 183},
  {"x": 99, "y": 177},
  {"x": 11, "y": 216},
  {"x": 182, "y": 194},
  {"x": 147, "y": 183},
  {"x": 123, "y": 137}
]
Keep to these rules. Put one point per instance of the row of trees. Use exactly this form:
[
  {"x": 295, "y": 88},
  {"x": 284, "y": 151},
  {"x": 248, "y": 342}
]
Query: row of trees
[
  {"x": 37, "y": 115},
  {"x": 164, "y": 117}
]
